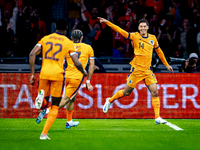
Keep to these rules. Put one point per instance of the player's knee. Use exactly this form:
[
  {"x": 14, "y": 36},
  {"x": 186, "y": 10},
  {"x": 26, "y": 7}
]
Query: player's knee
[
  {"x": 154, "y": 93},
  {"x": 66, "y": 100},
  {"x": 72, "y": 100},
  {"x": 56, "y": 101}
]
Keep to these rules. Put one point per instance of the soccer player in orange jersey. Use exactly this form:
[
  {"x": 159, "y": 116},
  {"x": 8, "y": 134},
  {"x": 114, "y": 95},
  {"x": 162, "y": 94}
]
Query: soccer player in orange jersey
[
  {"x": 55, "y": 47},
  {"x": 143, "y": 44},
  {"x": 74, "y": 78}
]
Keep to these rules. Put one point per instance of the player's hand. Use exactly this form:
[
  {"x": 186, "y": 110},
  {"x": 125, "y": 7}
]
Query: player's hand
[
  {"x": 102, "y": 20},
  {"x": 85, "y": 73},
  {"x": 169, "y": 68},
  {"x": 32, "y": 79},
  {"x": 89, "y": 87},
  {"x": 128, "y": 11}
]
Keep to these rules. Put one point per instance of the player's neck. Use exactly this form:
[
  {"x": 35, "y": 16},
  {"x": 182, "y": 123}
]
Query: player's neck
[
  {"x": 60, "y": 32},
  {"x": 144, "y": 35}
]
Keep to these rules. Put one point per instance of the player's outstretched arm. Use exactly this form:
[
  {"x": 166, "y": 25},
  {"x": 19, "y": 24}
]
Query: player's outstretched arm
[
  {"x": 78, "y": 64},
  {"x": 35, "y": 51},
  {"x": 90, "y": 72},
  {"x": 114, "y": 27}
]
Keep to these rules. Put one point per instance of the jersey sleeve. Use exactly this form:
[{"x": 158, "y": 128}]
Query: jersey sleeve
[
  {"x": 156, "y": 45},
  {"x": 91, "y": 53},
  {"x": 71, "y": 47},
  {"x": 40, "y": 42},
  {"x": 118, "y": 29}
]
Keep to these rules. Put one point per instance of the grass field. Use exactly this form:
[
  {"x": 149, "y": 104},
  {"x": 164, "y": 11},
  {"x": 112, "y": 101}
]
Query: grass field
[{"x": 100, "y": 134}]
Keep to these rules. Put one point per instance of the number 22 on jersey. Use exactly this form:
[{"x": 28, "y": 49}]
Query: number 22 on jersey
[{"x": 52, "y": 46}]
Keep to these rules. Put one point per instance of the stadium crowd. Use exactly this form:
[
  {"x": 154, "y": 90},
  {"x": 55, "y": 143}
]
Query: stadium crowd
[{"x": 175, "y": 23}]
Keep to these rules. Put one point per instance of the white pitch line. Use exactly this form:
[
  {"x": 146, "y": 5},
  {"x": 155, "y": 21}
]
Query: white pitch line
[{"x": 173, "y": 126}]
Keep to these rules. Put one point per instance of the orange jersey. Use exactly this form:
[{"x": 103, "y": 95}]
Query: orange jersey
[
  {"x": 85, "y": 52},
  {"x": 55, "y": 47},
  {"x": 143, "y": 48}
]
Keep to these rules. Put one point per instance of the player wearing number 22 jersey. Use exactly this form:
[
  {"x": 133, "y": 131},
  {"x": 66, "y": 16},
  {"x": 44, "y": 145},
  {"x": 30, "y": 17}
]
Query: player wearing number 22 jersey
[
  {"x": 73, "y": 77},
  {"x": 55, "y": 47}
]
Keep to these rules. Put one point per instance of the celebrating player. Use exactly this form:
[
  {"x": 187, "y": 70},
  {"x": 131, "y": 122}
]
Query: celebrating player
[
  {"x": 74, "y": 78},
  {"x": 55, "y": 47},
  {"x": 143, "y": 44}
]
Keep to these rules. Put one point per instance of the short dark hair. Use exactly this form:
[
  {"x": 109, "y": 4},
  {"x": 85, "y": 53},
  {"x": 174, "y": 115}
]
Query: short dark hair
[
  {"x": 77, "y": 34},
  {"x": 143, "y": 21},
  {"x": 61, "y": 24}
]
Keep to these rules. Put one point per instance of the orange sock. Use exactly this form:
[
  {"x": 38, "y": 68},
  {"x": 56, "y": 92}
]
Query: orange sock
[
  {"x": 69, "y": 114},
  {"x": 117, "y": 95},
  {"x": 44, "y": 104},
  {"x": 50, "y": 118},
  {"x": 156, "y": 106}
]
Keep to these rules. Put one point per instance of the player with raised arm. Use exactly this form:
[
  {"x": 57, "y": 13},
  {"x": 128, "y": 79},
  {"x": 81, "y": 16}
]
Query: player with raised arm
[
  {"x": 74, "y": 78},
  {"x": 55, "y": 47},
  {"x": 141, "y": 69}
]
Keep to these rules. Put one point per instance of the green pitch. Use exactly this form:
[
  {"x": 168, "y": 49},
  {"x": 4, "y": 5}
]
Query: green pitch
[{"x": 100, "y": 134}]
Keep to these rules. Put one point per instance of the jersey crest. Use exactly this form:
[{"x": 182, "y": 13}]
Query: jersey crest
[{"x": 151, "y": 42}]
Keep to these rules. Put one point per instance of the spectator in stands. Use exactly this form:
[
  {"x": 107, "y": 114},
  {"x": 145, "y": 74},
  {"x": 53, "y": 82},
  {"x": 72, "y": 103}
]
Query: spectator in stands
[
  {"x": 125, "y": 23},
  {"x": 59, "y": 11},
  {"x": 13, "y": 19},
  {"x": 16, "y": 48},
  {"x": 181, "y": 38},
  {"x": 191, "y": 65},
  {"x": 91, "y": 16},
  {"x": 153, "y": 24},
  {"x": 193, "y": 31},
  {"x": 164, "y": 38},
  {"x": 118, "y": 51},
  {"x": 102, "y": 43},
  {"x": 74, "y": 13},
  {"x": 157, "y": 5},
  {"x": 35, "y": 16},
  {"x": 28, "y": 36},
  {"x": 6, "y": 34},
  {"x": 175, "y": 10}
]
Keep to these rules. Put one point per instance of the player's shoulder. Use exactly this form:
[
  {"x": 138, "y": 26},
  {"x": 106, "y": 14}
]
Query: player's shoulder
[
  {"x": 135, "y": 34},
  {"x": 85, "y": 46},
  {"x": 152, "y": 36}
]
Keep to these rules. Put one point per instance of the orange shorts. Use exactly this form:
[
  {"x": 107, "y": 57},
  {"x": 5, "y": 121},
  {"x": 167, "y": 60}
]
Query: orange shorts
[
  {"x": 50, "y": 87},
  {"x": 136, "y": 76},
  {"x": 72, "y": 86}
]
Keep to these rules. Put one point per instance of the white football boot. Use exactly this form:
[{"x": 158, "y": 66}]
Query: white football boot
[
  {"x": 159, "y": 120},
  {"x": 71, "y": 123},
  {"x": 44, "y": 137},
  {"x": 106, "y": 105},
  {"x": 39, "y": 99}
]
